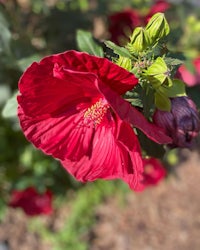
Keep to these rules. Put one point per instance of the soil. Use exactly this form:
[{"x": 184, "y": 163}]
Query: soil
[{"x": 164, "y": 217}]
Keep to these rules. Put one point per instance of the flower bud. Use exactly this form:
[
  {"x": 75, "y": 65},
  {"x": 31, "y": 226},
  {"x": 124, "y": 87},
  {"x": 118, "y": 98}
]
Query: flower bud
[
  {"x": 139, "y": 40},
  {"x": 182, "y": 123},
  {"x": 124, "y": 62},
  {"x": 157, "y": 27}
]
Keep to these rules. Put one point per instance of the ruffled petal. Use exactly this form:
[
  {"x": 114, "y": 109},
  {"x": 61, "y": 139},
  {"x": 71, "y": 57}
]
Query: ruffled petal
[
  {"x": 66, "y": 79},
  {"x": 42, "y": 93},
  {"x": 117, "y": 78},
  {"x": 113, "y": 157}
]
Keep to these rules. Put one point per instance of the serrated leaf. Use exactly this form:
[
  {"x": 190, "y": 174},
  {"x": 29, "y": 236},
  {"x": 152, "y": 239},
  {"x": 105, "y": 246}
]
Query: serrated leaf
[
  {"x": 162, "y": 102},
  {"x": 10, "y": 108},
  {"x": 121, "y": 51},
  {"x": 173, "y": 61},
  {"x": 175, "y": 90},
  {"x": 86, "y": 43}
]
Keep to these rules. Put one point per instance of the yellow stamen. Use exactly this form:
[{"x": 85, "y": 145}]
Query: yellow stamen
[{"x": 96, "y": 112}]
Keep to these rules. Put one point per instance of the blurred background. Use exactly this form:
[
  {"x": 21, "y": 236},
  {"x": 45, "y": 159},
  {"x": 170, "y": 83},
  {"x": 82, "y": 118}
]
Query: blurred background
[{"x": 102, "y": 215}]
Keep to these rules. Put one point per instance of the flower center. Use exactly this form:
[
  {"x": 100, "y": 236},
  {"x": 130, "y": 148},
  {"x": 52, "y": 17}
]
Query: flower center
[{"x": 96, "y": 112}]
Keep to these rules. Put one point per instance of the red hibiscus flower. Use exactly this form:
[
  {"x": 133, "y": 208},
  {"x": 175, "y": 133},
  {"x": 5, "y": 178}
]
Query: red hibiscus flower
[
  {"x": 32, "y": 202},
  {"x": 191, "y": 79},
  {"x": 70, "y": 107},
  {"x": 154, "y": 171},
  {"x": 122, "y": 24}
]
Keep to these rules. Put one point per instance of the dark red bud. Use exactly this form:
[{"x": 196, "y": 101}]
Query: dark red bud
[{"x": 182, "y": 123}]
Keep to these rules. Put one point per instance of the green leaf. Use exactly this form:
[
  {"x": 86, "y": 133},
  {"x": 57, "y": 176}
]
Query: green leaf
[
  {"x": 10, "y": 108},
  {"x": 137, "y": 103},
  {"x": 84, "y": 5},
  {"x": 121, "y": 51},
  {"x": 157, "y": 72},
  {"x": 5, "y": 35},
  {"x": 86, "y": 43},
  {"x": 158, "y": 67},
  {"x": 25, "y": 62},
  {"x": 162, "y": 102},
  {"x": 4, "y": 93},
  {"x": 177, "y": 89},
  {"x": 173, "y": 61}
]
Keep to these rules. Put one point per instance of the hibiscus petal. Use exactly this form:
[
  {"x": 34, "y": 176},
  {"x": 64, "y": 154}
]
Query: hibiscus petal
[
  {"x": 45, "y": 94},
  {"x": 128, "y": 113},
  {"x": 117, "y": 78},
  {"x": 113, "y": 157},
  {"x": 63, "y": 137},
  {"x": 68, "y": 79}
]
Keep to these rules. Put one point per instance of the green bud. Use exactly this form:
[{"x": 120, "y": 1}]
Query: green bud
[
  {"x": 139, "y": 40},
  {"x": 157, "y": 27},
  {"x": 157, "y": 73},
  {"x": 124, "y": 62}
]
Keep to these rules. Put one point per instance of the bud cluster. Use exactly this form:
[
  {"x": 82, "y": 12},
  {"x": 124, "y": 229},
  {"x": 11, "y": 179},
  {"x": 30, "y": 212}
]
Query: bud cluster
[
  {"x": 161, "y": 96},
  {"x": 150, "y": 65},
  {"x": 145, "y": 38}
]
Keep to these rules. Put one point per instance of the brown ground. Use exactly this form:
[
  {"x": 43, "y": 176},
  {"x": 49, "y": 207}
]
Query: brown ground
[{"x": 166, "y": 217}]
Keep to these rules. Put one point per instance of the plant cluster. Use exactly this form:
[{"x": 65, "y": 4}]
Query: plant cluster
[{"x": 111, "y": 108}]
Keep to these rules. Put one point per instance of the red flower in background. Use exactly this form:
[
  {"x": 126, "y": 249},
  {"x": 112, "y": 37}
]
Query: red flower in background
[
  {"x": 70, "y": 107},
  {"x": 32, "y": 202},
  {"x": 191, "y": 79},
  {"x": 158, "y": 6},
  {"x": 122, "y": 24},
  {"x": 154, "y": 171}
]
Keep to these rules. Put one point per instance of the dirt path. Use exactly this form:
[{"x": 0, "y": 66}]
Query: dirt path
[{"x": 166, "y": 217}]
